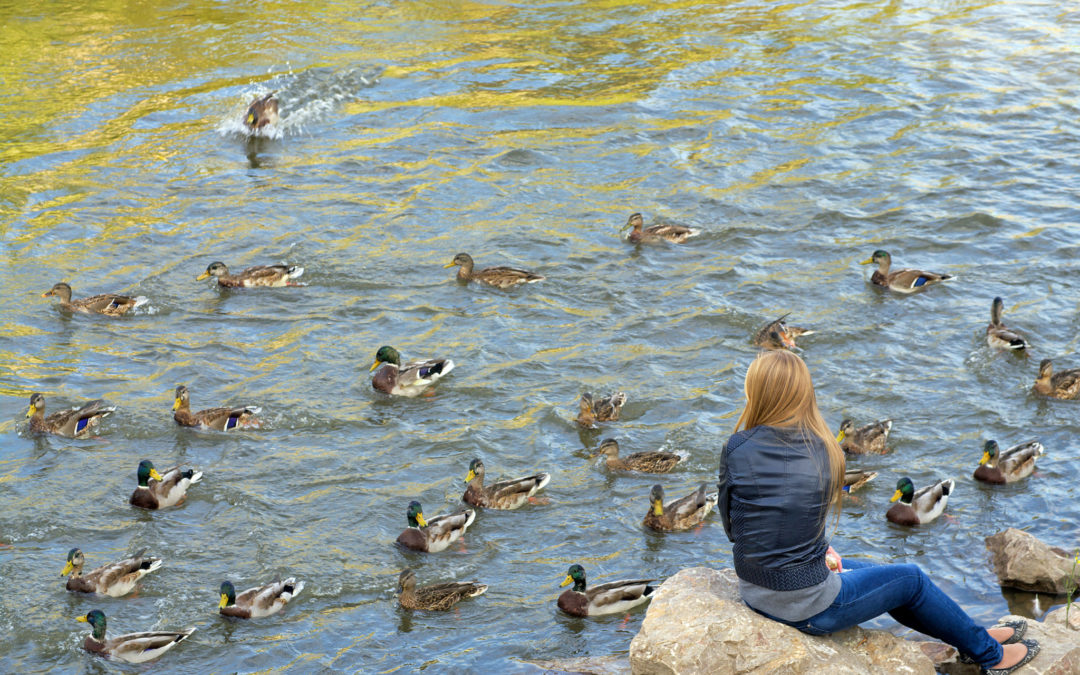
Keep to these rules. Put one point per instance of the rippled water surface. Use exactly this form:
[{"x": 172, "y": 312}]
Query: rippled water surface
[{"x": 798, "y": 136}]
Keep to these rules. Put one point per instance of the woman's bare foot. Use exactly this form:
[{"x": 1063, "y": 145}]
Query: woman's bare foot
[
  {"x": 1014, "y": 654},
  {"x": 1001, "y": 633}
]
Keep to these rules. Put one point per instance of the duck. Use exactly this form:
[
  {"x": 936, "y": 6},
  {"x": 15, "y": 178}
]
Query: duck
[
  {"x": 997, "y": 335},
  {"x": 255, "y": 603},
  {"x": 262, "y": 111},
  {"x": 436, "y": 534},
  {"x": 437, "y": 597},
  {"x": 259, "y": 275},
  {"x": 132, "y": 647},
  {"x": 997, "y": 466},
  {"x": 505, "y": 495},
  {"x": 676, "y": 234},
  {"x": 866, "y": 440},
  {"x": 607, "y": 409},
  {"x": 74, "y": 423},
  {"x": 410, "y": 379},
  {"x": 501, "y": 277},
  {"x": 651, "y": 461},
  {"x": 921, "y": 507},
  {"x": 681, "y": 514},
  {"x": 220, "y": 419},
  {"x": 613, "y": 597},
  {"x": 165, "y": 490},
  {"x": 115, "y": 579},
  {"x": 901, "y": 281},
  {"x": 109, "y": 304},
  {"x": 855, "y": 479},
  {"x": 778, "y": 335},
  {"x": 1065, "y": 384}
]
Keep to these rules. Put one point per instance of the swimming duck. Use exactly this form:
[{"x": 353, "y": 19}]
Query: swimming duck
[
  {"x": 915, "y": 508},
  {"x": 591, "y": 411},
  {"x": 855, "y": 479},
  {"x": 261, "y": 112},
  {"x": 506, "y": 495},
  {"x": 221, "y": 419},
  {"x": 75, "y": 423},
  {"x": 652, "y": 461},
  {"x": 132, "y": 647},
  {"x": 260, "y": 275},
  {"x": 614, "y": 597},
  {"x": 676, "y": 234},
  {"x": 1010, "y": 465},
  {"x": 502, "y": 277},
  {"x": 115, "y": 579},
  {"x": 164, "y": 491},
  {"x": 1065, "y": 384},
  {"x": 778, "y": 335},
  {"x": 681, "y": 514},
  {"x": 997, "y": 335},
  {"x": 867, "y": 440},
  {"x": 408, "y": 380},
  {"x": 437, "y": 597},
  {"x": 901, "y": 281},
  {"x": 108, "y": 304},
  {"x": 436, "y": 534},
  {"x": 255, "y": 603}
]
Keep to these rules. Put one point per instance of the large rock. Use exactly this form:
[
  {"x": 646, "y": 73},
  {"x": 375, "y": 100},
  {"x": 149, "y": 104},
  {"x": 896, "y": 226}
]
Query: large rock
[
  {"x": 1059, "y": 646},
  {"x": 696, "y": 623},
  {"x": 1022, "y": 561}
]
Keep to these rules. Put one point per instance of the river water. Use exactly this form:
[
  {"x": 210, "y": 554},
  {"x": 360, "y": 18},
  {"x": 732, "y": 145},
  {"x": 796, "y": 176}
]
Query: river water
[{"x": 798, "y": 137}]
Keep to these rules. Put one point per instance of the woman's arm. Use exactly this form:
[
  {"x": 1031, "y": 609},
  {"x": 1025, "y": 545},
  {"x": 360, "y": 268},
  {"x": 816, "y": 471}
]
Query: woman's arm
[{"x": 725, "y": 493}]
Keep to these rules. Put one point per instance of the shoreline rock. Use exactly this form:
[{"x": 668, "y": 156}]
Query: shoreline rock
[{"x": 1020, "y": 560}]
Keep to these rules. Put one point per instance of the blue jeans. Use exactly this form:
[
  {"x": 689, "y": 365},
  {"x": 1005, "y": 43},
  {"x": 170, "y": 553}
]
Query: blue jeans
[{"x": 868, "y": 590}]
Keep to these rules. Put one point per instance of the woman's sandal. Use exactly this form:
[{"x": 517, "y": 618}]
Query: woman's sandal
[
  {"x": 1032, "y": 650},
  {"x": 1019, "y": 629}
]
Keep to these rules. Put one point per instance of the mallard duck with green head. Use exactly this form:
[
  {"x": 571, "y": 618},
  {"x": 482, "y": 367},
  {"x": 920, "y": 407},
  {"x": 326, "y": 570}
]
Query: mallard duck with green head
[
  {"x": 115, "y": 579},
  {"x": 437, "y": 597},
  {"x": 159, "y": 491},
  {"x": 410, "y": 379},
  {"x": 109, "y": 304},
  {"x": 607, "y": 409},
  {"x": 855, "y": 479},
  {"x": 132, "y": 647},
  {"x": 435, "y": 534},
  {"x": 506, "y": 494},
  {"x": 865, "y": 440},
  {"x": 219, "y": 419},
  {"x": 639, "y": 234},
  {"x": 778, "y": 335},
  {"x": 680, "y": 514},
  {"x": 613, "y": 597},
  {"x": 1064, "y": 385},
  {"x": 919, "y": 507},
  {"x": 1005, "y": 466},
  {"x": 997, "y": 335},
  {"x": 650, "y": 461},
  {"x": 901, "y": 281},
  {"x": 75, "y": 423},
  {"x": 255, "y": 603},
  {"x": 263, "y": 111},
  {"x": 252, "y": 277},
  {"x": 501, "y": 277}
]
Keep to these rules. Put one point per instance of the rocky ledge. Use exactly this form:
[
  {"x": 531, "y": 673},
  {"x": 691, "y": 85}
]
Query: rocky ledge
[
  {"x": 1022, "y": 561},
  {"x": 697, "y": 623}
]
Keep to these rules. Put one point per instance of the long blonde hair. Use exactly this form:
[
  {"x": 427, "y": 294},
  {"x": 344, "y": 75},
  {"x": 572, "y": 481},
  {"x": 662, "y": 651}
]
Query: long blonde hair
[{"x": 780, "y": 393}]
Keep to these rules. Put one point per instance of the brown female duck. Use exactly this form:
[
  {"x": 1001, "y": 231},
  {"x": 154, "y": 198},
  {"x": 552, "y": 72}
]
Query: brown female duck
[
  {"x": 901, "y": 281},
  {"x": 506, "y": 495},
  {"x": 1065, "y": 384},
  {"x": 262, "y": 111},
  {"x": 651, "y": 461},
  {"x": 260, "y": 275},
  {"x": 855, "y": 479},
  {"x": 75, "y": 423},
  {"x": 778, "y": 335},
  {"x": 115, "y": 579},
  {"x": 501, "y": 277},
  {"x": 997, "y": 335},
  {"x": 676, "y": 234},
  {"x": 109, "y": 304},
  {"x": 867, "y": 440},
  {"x": 607, "y": 409},
  {"x": 221, "y": 419},
  {"x": 437, "y": 597},
  {"x": 681, "y": 514}
]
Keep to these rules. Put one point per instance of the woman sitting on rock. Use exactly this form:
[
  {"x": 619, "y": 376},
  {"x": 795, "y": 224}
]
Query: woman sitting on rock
[{"x": 780, "y": 474}]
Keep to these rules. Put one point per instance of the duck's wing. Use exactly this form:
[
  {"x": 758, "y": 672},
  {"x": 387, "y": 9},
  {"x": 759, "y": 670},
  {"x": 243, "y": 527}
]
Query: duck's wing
[
  {"x": 506, "y": 276},
  {"x": 226, "y": 419},
  {"x": 618, "y": 596},
  {"x": 140, "y": 647},
  {"x": 76, "y": 421},
  {"x": 907, "y": 281}
]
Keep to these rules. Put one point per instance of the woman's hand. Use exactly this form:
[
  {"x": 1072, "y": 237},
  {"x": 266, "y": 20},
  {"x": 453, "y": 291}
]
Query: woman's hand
[{"x": 833, "y": 560}]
